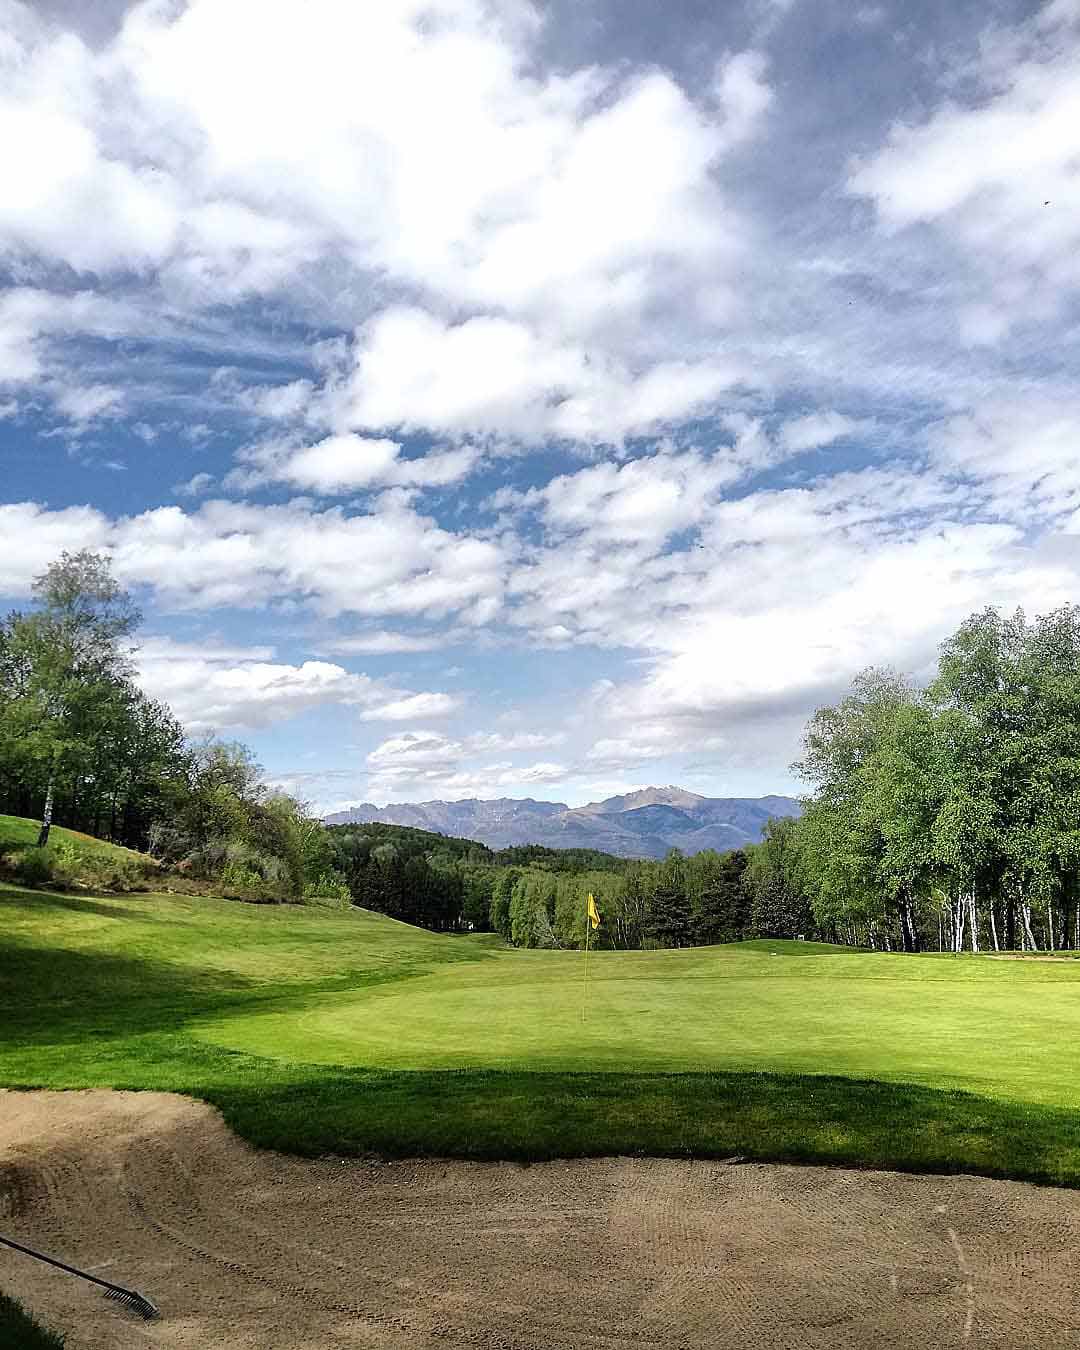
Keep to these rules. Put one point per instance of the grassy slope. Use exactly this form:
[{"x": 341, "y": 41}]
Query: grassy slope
[
  {"x": 18, "y": 1330},
  {"x": 315, "y": 1030},
  {"x": 18, "y": 834}
]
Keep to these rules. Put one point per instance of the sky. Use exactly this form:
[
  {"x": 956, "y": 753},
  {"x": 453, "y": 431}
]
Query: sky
[{"x": 509, "y": 399}]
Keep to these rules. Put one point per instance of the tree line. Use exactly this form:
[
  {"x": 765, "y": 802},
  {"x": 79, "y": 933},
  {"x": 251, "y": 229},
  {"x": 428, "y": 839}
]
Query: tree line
[
  {"x": 81, "y": 743},
  {"x": 535, "y": 896},
  {"x": 948, "y": 817}
]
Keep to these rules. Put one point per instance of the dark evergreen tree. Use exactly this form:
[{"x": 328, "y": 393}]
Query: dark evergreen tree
[
  {"x": 722, "y": 912},
  {"x": 669, "y": 913}
]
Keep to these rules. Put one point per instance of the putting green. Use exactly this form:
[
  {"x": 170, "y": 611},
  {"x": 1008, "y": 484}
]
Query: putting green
[{"x": 991, "y": 1027}]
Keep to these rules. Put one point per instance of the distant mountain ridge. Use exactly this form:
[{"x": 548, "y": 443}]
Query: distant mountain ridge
[{"x": 642, "y": 824}]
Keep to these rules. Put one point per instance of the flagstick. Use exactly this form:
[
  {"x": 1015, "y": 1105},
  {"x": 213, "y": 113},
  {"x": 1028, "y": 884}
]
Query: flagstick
[{"x": 585, "y": 985}]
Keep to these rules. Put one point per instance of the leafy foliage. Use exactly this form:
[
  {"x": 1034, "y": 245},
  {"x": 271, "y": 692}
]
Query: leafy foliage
[
  {"x": 947, "y": 816},
  {"x": 80, "y": 741}
]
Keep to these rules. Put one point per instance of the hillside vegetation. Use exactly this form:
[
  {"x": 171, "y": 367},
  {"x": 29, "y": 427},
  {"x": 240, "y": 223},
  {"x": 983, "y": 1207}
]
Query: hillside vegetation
[
  {"x": 68, "y": 857},
  {"x": 318, "y": 1030}
]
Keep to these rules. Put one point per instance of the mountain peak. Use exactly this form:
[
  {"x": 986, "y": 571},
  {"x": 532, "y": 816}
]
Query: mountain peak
[
  {"x": 648, "y": 796},
  {"x": 641, "y": 824}
]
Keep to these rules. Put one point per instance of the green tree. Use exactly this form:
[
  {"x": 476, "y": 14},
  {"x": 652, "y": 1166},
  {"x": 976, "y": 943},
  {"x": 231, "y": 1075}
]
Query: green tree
[
  {"x": 721, "y": 912},
  {"x": 843, "y": 865},
  {"x": 669, "y": 913},
  {"x": 61, "y": 667},
  {"x": 779, "y": 906}
]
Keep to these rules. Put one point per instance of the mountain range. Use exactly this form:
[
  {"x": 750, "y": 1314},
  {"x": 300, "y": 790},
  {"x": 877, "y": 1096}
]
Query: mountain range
[{"x": 642, "y": 824}]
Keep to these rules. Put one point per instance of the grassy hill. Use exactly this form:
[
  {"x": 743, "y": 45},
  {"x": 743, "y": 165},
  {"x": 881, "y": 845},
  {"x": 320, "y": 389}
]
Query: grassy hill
[
  {"x": 317, "y": 1030},
  {"x": 69, "y": 854}
]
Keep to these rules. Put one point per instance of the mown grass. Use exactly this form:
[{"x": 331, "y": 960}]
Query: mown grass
[
  {"x": 19, "y": 1331},
  {"x": 318, "y": 1031}
]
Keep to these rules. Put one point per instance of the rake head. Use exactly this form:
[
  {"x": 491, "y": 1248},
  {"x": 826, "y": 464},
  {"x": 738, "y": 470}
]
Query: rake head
[{"x": 131, "y": 1298}]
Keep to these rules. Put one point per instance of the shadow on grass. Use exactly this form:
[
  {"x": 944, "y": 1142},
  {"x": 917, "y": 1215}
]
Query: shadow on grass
[
  {"x": 59, "y": 995},
  {"x": 78, "y": 904},
  {"x": 766, "y": 1117},
  {"x": 54, "y": 994}
]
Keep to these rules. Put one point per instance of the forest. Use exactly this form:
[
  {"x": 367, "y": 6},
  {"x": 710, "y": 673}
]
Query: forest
[{"x": 536, "y": 897}]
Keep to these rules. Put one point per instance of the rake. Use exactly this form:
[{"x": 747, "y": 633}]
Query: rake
[{"x": 130, "y": 1298}]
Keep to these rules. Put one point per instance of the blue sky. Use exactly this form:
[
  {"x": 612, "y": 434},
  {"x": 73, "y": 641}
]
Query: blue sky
[{"x": 499, "y": 399}]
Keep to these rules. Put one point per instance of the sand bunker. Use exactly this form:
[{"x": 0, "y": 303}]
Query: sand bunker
[{"x": 244, "y": 1250}]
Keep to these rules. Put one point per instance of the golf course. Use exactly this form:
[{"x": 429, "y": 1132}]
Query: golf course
[{"x": 335, "y": 1030}]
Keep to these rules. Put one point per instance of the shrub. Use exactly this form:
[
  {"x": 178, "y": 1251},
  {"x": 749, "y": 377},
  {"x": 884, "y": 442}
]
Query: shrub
[
  {"x": 327, "y": 902},
  {"x": 327, "y": 886},
  {"x": 105, "y": 871},
  {"x": 34, "y": 867}
]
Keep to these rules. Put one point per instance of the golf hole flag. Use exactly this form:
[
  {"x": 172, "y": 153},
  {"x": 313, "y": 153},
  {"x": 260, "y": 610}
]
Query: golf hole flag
[{"x": 594, "y": 917}]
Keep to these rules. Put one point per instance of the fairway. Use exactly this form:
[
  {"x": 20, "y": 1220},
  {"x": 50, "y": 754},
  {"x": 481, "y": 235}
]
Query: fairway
[
  {"x": 873, "y": 1015},
  {"x": 315, "y": 1029}
]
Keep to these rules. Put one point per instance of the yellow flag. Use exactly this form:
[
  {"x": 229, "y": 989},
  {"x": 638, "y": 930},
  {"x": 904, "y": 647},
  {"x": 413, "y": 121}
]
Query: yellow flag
[{"x": 594, "y": 918}]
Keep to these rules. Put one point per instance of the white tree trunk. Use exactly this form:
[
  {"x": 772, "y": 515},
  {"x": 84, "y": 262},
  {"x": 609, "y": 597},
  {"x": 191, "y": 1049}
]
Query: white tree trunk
[
  {"x": 958, "y": 925},
  {"x": 973, "y": 919},
  {"x": 46, "y": 817},
  {"x": 1050, "y": 923},
  {"x": 1025, "y": 910},
  {"x": 993, "y": 928}
]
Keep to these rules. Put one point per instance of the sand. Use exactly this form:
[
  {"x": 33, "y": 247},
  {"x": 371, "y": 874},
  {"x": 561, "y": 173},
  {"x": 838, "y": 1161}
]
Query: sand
[{"x": 243, "y": 1249}]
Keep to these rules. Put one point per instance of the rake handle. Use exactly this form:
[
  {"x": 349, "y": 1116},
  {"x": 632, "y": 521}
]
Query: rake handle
[{"x": 62, "y": 1265}]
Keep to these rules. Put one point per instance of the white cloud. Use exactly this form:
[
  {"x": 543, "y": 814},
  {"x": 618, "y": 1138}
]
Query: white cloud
[
  {"x": 656, "y": 742},
  {"x": 195, "y": 486},
  {"x": 743, "y": 93},
  {"x": 210, "y": 687},
  {"x": 30, "y": 316},
  {"x": 554, "y": 215},
  {"x": 421, "y": 763},
  {"x": 281, "y": 402},
  {"x": 820, "y": 428},
  {"x": 492, "y": 375},
  {"x": 486, "y": 742},
  {"x": 535, "y": 773},
  {"x": 383, "y": 642},
  {"x": 1021, "y": 455},
  {"x": 34, "y": 537},
  {"x": 999, "y": 176},
  {"x": 389, "y": 561},
  {"x": 348, "y": 463},
  {"x": 643, "y": 500},
  {"x": 414, "y": 750},
  {"x": 86, "y": 403},
  {"x": 411, "y": 707},
  {"x": 797, "y": 590}
]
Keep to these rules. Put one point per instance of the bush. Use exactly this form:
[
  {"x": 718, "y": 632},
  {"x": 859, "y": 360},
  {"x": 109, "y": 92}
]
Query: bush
[
  {"x": 74, "y": 866},
  {"x": 327, "y": 902},
  {"x": 328, "y": 886},
  {"x": 34, "y": 867}
]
